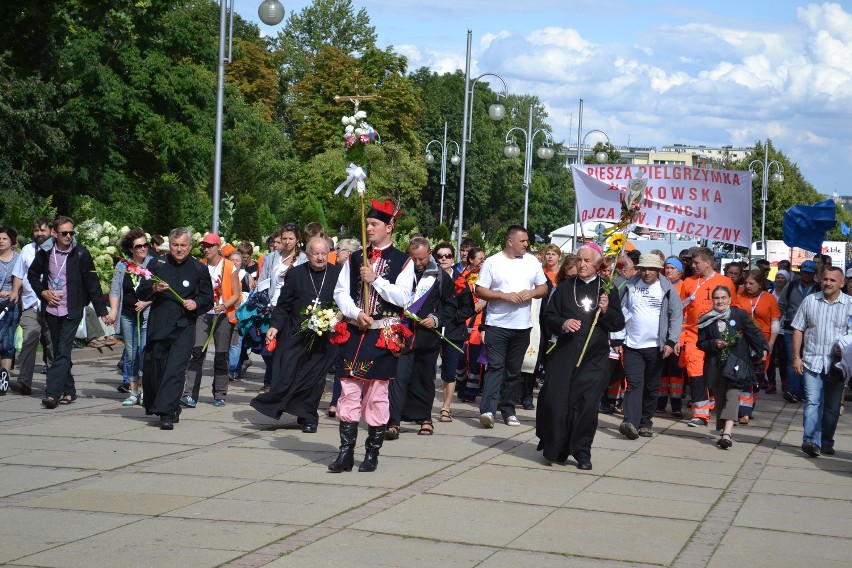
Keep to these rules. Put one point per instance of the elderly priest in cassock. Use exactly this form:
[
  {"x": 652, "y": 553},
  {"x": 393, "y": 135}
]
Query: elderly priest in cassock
[
  {"x": 567, "y": 413},
  {"x": 301, "y": 359}
]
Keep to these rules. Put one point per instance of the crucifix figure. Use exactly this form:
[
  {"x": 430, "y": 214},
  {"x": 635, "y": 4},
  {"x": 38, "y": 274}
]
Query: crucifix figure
[
  {"x": 356, "y": 98},
  {"x": 587, "y": 303}
]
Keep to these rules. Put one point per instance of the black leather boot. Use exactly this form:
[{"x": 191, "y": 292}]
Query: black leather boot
[
  {"x": 375, "y": 437},
  {"x": 346, "y": 459}
]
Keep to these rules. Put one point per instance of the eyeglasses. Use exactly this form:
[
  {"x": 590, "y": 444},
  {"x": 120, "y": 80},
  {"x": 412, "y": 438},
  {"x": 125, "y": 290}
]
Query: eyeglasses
[
  {"x": 207, "y": 245},
  {"x": 140, "y": 246},
  {"x": 444, "y": 256},
  {"x": 67, "y": 233}
]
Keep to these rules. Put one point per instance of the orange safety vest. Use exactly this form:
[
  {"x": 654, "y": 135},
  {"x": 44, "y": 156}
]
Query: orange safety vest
[{"x": 227, "y": 291}]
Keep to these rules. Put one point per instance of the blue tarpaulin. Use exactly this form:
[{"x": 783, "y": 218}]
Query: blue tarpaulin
[{"x": 805, "y": 226}]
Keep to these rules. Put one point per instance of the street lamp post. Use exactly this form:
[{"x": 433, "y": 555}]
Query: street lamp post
[
  {"x": 545, "y": 152},
  {"x": 270, "y": 12},
  {"x": 496, "y": 112},
  {"x": 455, "y": 160},
  {"x": 778, "y": 176}
]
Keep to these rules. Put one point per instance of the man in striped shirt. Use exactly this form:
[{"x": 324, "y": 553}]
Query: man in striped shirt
[{"x": 820, "y": 321}]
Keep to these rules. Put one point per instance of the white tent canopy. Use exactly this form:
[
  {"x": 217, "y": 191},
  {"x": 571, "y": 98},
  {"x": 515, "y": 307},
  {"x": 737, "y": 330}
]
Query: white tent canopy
[{"x": 562, "y": 237}]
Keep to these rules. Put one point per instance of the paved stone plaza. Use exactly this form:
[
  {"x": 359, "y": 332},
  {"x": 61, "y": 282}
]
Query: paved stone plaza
[{"x": 95, "y": 484}]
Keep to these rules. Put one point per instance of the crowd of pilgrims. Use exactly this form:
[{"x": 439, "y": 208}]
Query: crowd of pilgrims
[{"x": 498, "y": 330}]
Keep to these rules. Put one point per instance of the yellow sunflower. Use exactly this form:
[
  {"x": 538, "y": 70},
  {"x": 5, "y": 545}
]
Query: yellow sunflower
[{"x": 616, "y": 242}]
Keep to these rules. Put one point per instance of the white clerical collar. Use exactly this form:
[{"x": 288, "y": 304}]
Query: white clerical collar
[{"x": 587, "y": 280}]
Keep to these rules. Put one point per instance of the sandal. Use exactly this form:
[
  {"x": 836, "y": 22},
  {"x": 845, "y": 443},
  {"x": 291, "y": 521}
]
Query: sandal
[
  {"x": 66, "y": 399},
  {"x": 445, "y": 415},
  {"x": 724, "y": 442},
  {"x": 744, "y": 420},
  {"x": 426, "y": 428},
  {"x": 49, "y": 402},
  {"x": 392, "y": 432}
]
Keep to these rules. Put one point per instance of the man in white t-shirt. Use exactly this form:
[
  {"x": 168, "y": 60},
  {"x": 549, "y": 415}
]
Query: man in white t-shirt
[
  {"x": 508, "y": 281},
  {"x": 654, "y": 316}
]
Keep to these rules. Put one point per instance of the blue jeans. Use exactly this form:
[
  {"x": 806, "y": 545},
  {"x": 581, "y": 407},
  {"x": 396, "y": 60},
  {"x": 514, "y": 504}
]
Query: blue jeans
[
  {"x": 234, "y": 355},
  {"x": 134, "y": 346},
  {"x": 794, "y": 380},
  {"x": 821, "y": 409},
  {"x": 8, "y": 326}
]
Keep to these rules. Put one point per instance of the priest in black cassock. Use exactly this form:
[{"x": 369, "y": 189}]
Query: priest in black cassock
[
  {"x": 567, "y": 412},
  {"x": 301, "y": 359},
  {"x": 171, "y": 325}
]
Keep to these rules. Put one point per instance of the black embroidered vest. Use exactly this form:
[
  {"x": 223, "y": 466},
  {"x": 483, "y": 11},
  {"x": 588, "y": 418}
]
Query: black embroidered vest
[{"x": 389, "y": 268}]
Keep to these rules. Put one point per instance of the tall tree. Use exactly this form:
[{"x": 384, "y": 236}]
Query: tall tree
[{"x": 325, "y": 22}]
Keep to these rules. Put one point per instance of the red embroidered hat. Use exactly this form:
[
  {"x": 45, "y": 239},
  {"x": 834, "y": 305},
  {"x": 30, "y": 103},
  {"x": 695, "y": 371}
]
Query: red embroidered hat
[{"x": 384, "y": 211}]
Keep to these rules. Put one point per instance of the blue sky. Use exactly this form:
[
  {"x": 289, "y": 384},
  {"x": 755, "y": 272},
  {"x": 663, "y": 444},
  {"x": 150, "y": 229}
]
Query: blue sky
[{"x": 653, "y": 72}]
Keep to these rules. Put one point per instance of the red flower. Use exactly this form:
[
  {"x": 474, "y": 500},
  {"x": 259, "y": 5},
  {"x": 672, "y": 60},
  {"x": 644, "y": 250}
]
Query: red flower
[
  {"x": 393, "y": 338},
  {"x": 460, "y": 284},
  {"x": 341, "y": 333}
]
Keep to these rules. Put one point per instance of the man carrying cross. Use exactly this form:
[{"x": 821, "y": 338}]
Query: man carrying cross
[{"x": 374, "y": 334}]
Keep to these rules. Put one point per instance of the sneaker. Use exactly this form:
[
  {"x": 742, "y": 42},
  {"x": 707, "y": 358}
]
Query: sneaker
[
  {"x": 696, "y": 422},
  {"x": 131, "y": 400},
  {"x": 44, "y": 369},
  {"x": 219, "y": 402},
  {"x": 487, "y": 419},
  {"x": 187, "y": 401},
  {"x": 646, "y": 432},
  {"x": 527, "y": 403},
  {"x": 628, "y": 430},
  {"x": 790, "y": 397},
  {"x": 811, "y": 449},
  {"x": 677, "y": 413},
  {"x": 512, "y": 420},
  {"x": 606, "y": 408},
  {"x": 123, "y": 388}
]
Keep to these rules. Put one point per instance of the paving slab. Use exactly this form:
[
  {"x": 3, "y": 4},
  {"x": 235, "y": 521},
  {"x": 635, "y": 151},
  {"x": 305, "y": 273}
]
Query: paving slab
[
  {"x": 456, "y": 519},
  {"x": 111, "y": 501},
  {"x": 803, "y": 489},
  {"x": 807, "y": 515},
  {"x": 520, "y": 558},
  {"x": 672, "y": 493},
  {"x": 307, "y": 503},
  {"x": 393, "y": 472},
  {"x": 608, "y": 535},
  {"x": 162, "y": 484},
  {"x": 360, "y": 548},
  {"x": 20, "y": 479},
  {"x": 74, "y": 425},
  {"x": 800, "y": 475},
  {"x": 701, "y": 473},
  {"x": 516, "y": 484},
  {"x": 774, "y": 548},
  {"x": 29, "y": 531}
]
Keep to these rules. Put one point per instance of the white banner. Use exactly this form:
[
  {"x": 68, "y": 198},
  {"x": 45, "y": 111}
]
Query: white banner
[{"x": 703, "y": 203}]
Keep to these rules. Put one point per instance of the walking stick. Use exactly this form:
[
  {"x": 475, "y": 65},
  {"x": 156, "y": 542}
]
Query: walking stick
[{"x": 366, "y": 260}]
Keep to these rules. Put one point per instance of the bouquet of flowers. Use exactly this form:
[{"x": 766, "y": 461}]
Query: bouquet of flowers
[
  {"x": 730, "y": 338},
  {"x": 357, "y": 134},
  {"x": 136, "y": 270},
  {"x": 321, "y": 319}
]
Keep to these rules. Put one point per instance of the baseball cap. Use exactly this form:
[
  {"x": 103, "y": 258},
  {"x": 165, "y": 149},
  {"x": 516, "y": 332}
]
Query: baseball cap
[
  {"x": 212, "y": 239},
  {"x": 808, "y": 266}
]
